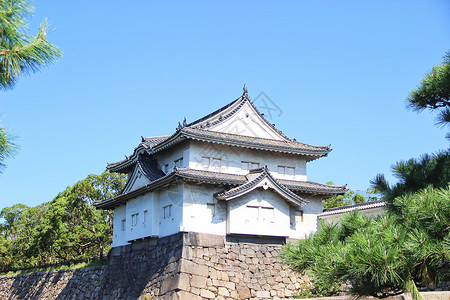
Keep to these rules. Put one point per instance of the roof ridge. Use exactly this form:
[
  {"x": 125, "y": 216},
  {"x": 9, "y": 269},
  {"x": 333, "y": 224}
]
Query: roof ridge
[{"x": 253, "y": 137}]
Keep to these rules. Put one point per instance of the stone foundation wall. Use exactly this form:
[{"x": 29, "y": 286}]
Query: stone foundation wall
[
  {"x": 181, "y": 266},
  {"x": 235, "y": 268}
]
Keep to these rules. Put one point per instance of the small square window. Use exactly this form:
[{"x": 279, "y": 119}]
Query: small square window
[
  {"x": 205, "y": 161},
  {"x": 134, "y": 219},
  {"x": 298, "y": 216},
  {"x": 281, "y": 170},
  {"x": 178, "y": 162},
  {"x": 216, "y": 162},
  {"x": 167, "y": 211},
  {"x": 144, "y": 219},
  {"x": 212, "y": 208},
  {"x": 248, "y": 165},
  {"x": 290, "y": 171}
]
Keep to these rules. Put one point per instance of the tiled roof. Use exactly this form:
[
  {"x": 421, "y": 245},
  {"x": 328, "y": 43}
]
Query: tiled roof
[
  {"x": 232, "y": 180},
  {"x": 198, "y": 130},
  {"x": 292, "y": 147},
  {"x": 154, "y": 140},
  {"x": 257, "y": 180},
  {"x": 255, "y": 142},
  {"x": 314, "y": 187},
  {"x": 226, "y": 112},
  {"x": 349, "y": 208},
  {"x": 150, "y": 168}
]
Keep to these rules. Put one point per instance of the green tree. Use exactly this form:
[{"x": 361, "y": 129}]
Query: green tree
[
  {"x": 348, "y": 198},
  {"x": 414, "y": 175},
  {"x": 383, "y": 256},
  {"x": 68, "y": 227},
  {"x": 434, "y": 92},
  {"x": 7, "y": 147},
  {"x": 21, "y": 53}
]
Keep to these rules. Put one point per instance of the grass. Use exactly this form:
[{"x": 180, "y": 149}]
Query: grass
[{"x": 56, "y": 268}]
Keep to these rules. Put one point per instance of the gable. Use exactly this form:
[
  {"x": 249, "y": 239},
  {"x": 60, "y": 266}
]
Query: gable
[
  {"x": 260, "y": 212},
  {"x": 247, "y": 121},
  {"x": 137, "y": 180}
]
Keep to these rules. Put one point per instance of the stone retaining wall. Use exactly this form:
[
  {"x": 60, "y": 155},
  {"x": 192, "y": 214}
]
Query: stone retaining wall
[{"x": 181, "y": 266}]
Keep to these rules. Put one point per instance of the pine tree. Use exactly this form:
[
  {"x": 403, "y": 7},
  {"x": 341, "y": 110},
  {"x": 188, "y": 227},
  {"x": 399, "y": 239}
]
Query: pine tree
[
  {"x": 434, "y": 92},
  {"x": 7, "y": 147},
  {"x": 380, "y": 257},
  {"x": 21, "y": 53}
]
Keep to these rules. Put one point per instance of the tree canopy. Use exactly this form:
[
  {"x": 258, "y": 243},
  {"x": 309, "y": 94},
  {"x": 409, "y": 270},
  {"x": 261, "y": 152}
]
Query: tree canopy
[
  {"x": 414, "y": 175},
  {"x": 7, "y": 147},
  {"x": 21, "y": 53},
  {"x": 383, "y": 256},
  {"x": 434, "y": 92},
  {"x": 66, "y": 228}
]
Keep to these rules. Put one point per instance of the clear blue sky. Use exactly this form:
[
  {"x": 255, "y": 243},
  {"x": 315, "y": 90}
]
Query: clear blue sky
[{"x": 339, "y": 71}]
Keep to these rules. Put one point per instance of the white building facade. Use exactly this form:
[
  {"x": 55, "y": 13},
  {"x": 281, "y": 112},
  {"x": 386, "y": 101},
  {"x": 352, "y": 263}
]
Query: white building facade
[{"x": 228, "y": 173}]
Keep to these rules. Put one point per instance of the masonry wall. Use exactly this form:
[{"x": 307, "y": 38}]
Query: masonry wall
[{"x": 181, "y": 266}]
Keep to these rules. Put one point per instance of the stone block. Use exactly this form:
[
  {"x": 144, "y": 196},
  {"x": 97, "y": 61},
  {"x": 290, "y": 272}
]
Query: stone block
[
  {"x": 243, "y": 292},
  {"x": 230, "y": 285},
  {"x": 207, "y": 294},
  {"x": 187, "y": 253},
  {"x": 193, "y": 268},
  {"x": 225, "y": 276},
  {"x": 224, "y": 292},
  {"x": 263, "y": 294},
  {"x": 203, "y": 240},
  {"x": 198, "y": 281},
  {"x": 179, "y": 281},
  {"x": 217, "y": 282},
  {"x": 183, "y": 295}
]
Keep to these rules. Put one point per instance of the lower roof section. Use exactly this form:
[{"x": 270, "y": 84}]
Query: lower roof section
[{"x": 217, "y": 178}]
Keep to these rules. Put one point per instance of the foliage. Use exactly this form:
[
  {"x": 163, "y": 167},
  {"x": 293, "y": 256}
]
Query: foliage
[
  {"x": 7, "y": 147},
  {"x": 21, "y": 53},
  {"x": 414, "y": 175},
  {"x": 66, "y": 228},
  {"x": 434, "y": 92},
  {"x": 383, "y": 256},
  {"x": 70, "y": 265},
  {"x": 348, "y": 198}
]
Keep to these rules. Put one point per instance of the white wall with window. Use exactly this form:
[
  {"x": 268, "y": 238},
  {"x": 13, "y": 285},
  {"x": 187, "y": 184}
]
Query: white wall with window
[
  {"x": 170, "y": 210},
  {"x": 202, "y": 212},
  {"x": 179, "y": 157},
  {"x": 137, "y": 210},
  {"x": 303, "y": 220},
  {"x": 239, "y": 160},
  {"x": 259, "y": 213},
  {"x": 119, "y": 226}
]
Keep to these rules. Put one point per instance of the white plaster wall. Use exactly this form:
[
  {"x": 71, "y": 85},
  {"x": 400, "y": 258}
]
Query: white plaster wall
[
  {"x": 119, "y": 236},
  {"x": 242, "y": 220},
  {"x": 232, "y": 157},
  {"x": 137, "y": 206},
  {"x": 247, "y": 122},
  {"x": 197, "y": 216},
  {"x": 309, "y": 225},
  {"x": 173, "y": 195},
  {"x": 374, "y": 212},
  {"x": 169, "y": 155}
]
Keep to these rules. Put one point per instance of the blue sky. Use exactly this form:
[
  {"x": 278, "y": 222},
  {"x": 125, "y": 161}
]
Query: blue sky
[{"x": 338, "y": 71}]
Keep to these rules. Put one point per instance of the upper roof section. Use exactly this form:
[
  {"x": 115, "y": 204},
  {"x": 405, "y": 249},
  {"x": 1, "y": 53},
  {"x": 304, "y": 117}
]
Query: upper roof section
[
  {"x": 238, "y": 123},
  {"x": 239, "y": 184}
]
